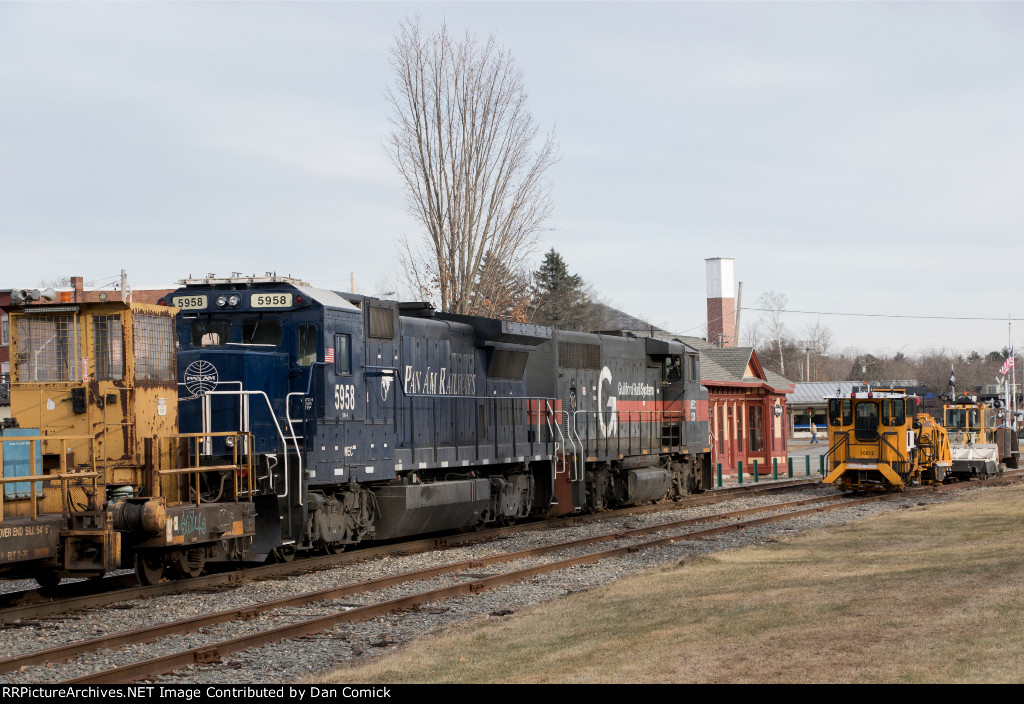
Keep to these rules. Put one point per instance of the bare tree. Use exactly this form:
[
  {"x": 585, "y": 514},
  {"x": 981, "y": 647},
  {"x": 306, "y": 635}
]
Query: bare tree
[
  {"x": 775, "y": 333},
  {"x": 461, "y": 138},
  {"x": 816, "y": 344}
]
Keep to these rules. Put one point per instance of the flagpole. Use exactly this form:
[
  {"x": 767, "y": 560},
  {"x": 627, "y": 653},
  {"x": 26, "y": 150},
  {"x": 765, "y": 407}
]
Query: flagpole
[{"x": 1013, "y": 372}]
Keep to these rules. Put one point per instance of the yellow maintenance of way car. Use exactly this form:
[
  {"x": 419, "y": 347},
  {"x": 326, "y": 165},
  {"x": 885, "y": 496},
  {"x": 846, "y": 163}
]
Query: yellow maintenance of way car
[
  {"x": 980, "y": 445},
  {"x": 879, "y": 442},
  {"x": 94, "y": 475}
]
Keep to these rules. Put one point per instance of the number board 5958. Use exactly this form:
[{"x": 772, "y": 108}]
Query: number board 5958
[{"x": 271, "y": 300}]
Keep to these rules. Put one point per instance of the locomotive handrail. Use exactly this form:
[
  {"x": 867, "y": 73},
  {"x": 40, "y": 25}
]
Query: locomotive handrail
[
  {"x": 583, "y": 456},
  {"x": 654, "y": 418},
  {"x": 548, "y": 416},
  {"x": 241, "y": 422},
  {"x": 201, "y": 469},
  {"x": 881, "y": 439},
  {"x": 843, "y": 442},
  {"x": 280, "y": 433},
  {"x": 568, "y": 436}
]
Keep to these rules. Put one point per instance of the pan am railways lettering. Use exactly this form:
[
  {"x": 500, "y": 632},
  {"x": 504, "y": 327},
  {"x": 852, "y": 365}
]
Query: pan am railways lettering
[{"x": 439, "y": 382}]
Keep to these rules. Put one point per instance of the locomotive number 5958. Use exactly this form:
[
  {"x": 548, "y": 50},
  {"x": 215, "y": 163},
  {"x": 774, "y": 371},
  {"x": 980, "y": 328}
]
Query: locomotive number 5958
[{"x": 344, "y": 397}]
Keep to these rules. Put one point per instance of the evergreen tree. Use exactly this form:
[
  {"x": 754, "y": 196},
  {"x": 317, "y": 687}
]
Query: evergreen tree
[{"x": 560, "y": 299}]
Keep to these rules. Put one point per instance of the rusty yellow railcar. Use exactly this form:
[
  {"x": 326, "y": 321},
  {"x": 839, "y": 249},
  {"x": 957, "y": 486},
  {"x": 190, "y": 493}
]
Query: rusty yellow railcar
[
  {"x": 94, "y": 396},
  {"x": 878, "y": 441},
  {"x": 981, "y": 445}
]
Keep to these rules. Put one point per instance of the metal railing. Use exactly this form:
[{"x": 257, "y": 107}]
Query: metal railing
[
  {"x": 535, "y": 411},
  {"x": 646, "y": 432},
  {"x": 64, "y": 476},
  {"x": 241, "y": 469}
]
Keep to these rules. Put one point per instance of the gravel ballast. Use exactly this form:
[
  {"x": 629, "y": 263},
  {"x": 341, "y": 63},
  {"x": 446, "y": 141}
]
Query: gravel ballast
[{"x": 302, "y": 658}]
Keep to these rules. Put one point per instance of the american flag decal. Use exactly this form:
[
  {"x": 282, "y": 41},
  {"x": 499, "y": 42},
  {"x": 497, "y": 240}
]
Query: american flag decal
[{"x": 329, "y": 355}]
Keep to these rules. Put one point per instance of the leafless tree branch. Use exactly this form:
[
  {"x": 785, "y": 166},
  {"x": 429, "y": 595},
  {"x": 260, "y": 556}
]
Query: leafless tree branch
[{"x": 461, "y": 139}]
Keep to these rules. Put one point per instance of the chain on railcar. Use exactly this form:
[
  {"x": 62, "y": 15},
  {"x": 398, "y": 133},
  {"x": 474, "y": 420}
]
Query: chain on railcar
[{"x": 94, "y": 393}]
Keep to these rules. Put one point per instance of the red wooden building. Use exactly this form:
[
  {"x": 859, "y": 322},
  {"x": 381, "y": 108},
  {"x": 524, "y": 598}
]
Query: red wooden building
[{"x": 747, "y": 405}]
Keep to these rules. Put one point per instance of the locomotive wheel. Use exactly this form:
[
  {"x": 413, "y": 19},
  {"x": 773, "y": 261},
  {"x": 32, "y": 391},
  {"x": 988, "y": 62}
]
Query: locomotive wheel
[
  {"x": 285, "y": 553},
  {"x": 47, "y": 580},
  {"x": 188, "y": 563},
  {"x": 149, "y": 568}
]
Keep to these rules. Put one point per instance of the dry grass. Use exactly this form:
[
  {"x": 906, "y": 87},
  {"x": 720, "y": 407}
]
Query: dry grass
[{"x": 930, "y": 594}]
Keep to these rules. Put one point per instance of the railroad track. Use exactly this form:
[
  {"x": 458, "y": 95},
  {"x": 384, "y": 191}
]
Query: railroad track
[
  {"x": 21, "y": 607},
  {"x": 462, "y": 578}
]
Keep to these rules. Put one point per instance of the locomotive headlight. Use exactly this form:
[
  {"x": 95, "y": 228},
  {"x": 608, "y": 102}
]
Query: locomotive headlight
[
  {"x": 222, "y": 301},
  {"x": 233, "y": 300},
  {"x": 229, "y": 441}
]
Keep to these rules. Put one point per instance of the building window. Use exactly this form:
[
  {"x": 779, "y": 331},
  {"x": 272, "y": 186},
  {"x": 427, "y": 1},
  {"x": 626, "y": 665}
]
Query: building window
[
  {"x": 756, "y": 417},
  {"x": 721, "y": 433},
  {"x": 3, "y": 331}
]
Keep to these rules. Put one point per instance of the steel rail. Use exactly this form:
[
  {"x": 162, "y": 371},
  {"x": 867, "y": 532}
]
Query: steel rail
[
  {"x": 93, "y": 594},
  {"x": 214, "y": 652}
]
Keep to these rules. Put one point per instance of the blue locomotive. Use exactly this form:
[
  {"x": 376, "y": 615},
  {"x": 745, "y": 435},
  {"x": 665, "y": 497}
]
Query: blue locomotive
[{"x": 367, "y": 419}]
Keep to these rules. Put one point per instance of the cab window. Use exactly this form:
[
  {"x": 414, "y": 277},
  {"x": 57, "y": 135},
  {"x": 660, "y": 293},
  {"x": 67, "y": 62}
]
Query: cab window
[
  {"x": 305, "y": 345},
  {"x": 342, "y": 354},
  {"x": 108, "y": 344},
  {"x": 839, "y": 411},
  {"x": 899, "y": 411},
  {"x": 893, "y": 411},
  {"x": 673, "y": 369},
  {"x": 210, "y": 333},
  {"x": 866, "y": 421},
  {"x": 261, "y": 332}
]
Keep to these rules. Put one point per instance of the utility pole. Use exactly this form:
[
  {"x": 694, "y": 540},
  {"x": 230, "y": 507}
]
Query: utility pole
[
  {"x": 808, "y": 348},
  {"x": 739, "y": 307}
]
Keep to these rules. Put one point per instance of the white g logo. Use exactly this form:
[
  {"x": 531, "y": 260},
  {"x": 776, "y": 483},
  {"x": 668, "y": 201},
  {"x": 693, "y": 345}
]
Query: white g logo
[{"x": 607, "y": 427}]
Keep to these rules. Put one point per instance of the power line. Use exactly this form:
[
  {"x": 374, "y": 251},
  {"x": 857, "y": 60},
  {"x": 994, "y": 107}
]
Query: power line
[{"x": 883, "y": 315}]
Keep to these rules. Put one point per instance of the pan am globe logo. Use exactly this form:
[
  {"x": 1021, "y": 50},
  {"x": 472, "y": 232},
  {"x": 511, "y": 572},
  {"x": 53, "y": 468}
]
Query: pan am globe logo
[{"x": 200, "y": 377}]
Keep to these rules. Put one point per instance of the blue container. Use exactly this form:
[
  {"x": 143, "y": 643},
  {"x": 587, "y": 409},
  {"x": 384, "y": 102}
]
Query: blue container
[{"x": 18, "y": 462}]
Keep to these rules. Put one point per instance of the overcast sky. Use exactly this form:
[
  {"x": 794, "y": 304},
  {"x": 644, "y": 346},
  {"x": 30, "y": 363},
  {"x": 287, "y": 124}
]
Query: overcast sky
[{"x": 861, "y": 158}]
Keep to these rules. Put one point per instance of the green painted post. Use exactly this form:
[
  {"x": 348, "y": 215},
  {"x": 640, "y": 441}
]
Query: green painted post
[
  {"x": 775, "y": 468},
  {"x": 789, "y": 461},
  {"x": 755, "y": 472},
  {"x": 807, "y": 461},
  {"x": 821, "y": 465},
  {"x": 719, "y": 465},
  {"x": 739, "y": 472}
]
